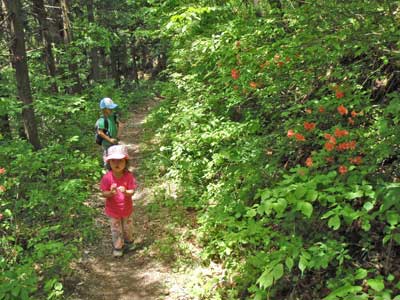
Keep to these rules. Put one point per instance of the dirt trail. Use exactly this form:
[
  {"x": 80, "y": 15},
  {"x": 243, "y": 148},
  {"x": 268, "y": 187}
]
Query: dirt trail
[{"x": 138, "y": 274}]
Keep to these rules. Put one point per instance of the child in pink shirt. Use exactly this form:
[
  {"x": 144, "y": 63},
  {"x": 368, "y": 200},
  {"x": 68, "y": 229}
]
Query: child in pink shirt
[{"x": 118, "y": 186}]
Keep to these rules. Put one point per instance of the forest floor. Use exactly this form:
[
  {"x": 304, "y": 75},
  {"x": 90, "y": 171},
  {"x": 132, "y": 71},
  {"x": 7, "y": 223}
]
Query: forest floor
[{"x": 154, "y": 270}]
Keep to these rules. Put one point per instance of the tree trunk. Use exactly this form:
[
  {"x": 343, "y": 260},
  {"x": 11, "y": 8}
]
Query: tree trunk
[
  {"x": 67, "y": 35},
  {"x": 39, "y": 10},
  {"x": 20, "y": 65},
  {"x": 115, "y": 65},
  {"x": 94, "y": 58},
  {"x": 5, "y": 33},
  {"x": 134, "y": 71},
  {"x": 55, "y": 21}
]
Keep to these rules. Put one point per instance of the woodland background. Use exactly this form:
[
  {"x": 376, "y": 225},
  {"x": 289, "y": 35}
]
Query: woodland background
[{"x": 279, "y": 126}]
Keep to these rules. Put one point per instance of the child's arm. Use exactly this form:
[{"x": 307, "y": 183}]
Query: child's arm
[
  {"x": 111, "y": 192},
  {"x": 106, "y": 137}
]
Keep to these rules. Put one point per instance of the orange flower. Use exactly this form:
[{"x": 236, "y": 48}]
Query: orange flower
[
  {"x": 253, "y": 84},
  {"x": 330, "y": 159},
  {"x": 340, "y": 133},
  {"x": 346, "y": 146},
  {"x": 350, "y": 121},
  {"x": 280, "y": 63},
  {"x": 353, "y": 114},
  {"x": 339, "y": 94},
  {"x": 235, "y": 74},
  {"x": 342, "y": 110},
  {"x": 290, "y": 133},
  {"x": 329, "y": 146},
  {"x": 2, "y": 171},
  {"x": 356, "y": 160},
  {"x": 309, "y": 162},
  {"x": 352, "y": 145},
  {"x": 308, "y": 111},
  {"x": 277, "y": 57},
  {"x": 2, "y": 188},
  {"x": 321, "y": 109},
  {"x": 309, "y": 126},
  {"x": 342, "y": 169},
  {"x": 299, "y": 137},
  {"x": 330, "y": 138}
]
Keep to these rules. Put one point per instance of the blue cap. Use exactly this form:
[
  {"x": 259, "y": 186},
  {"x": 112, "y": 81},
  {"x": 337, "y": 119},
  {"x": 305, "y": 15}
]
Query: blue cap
[{"x": 107, "y": 103}]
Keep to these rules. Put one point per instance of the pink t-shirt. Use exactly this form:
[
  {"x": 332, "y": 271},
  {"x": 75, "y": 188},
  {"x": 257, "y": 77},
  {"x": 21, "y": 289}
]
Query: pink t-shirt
[{"x": 119, "y": 205}]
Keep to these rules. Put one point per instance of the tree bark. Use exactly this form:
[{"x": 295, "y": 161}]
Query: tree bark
[
  {"x": 94, "y": 58},
  {"x": 39, "y": 10},
  {"x": 19, "y": 62}
]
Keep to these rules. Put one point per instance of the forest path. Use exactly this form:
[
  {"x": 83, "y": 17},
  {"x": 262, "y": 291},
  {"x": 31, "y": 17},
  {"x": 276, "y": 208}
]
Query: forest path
[{"x": 139, "y": 274}]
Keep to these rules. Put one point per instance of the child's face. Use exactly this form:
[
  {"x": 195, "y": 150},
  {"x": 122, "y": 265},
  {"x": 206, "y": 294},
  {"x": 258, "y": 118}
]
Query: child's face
[
  {"x": 117, "y": 165},
  {"x": 107, "y": 111}
]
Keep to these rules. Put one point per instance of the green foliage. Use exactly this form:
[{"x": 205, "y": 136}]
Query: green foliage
[{"x": 280, "y": 127}]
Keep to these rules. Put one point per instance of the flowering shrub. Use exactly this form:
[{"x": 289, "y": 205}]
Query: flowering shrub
[{"x": 279, "y": 142}]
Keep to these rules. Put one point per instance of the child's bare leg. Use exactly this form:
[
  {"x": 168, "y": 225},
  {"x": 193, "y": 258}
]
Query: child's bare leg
[
  {"x": 116, "y": 233},
  {"x": 128, "y": 229}
]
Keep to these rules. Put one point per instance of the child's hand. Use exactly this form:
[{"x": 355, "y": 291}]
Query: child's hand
[
  {"x": 113, "y": 188},
  {"x": 122, "y": 189}
]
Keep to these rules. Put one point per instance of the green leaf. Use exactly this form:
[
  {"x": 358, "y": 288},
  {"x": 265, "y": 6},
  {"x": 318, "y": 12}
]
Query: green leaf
[
  {"x": 368, "y": 206},
  {"x": 392, "y": 217},
  {"x": 311, "y": 195},
  {"x": 251, "y": 213},
  {"x": 361, "y": 274},
  {"x": 396, "y": 238},
  {"x": 334, "y": 222},
  {"x": 303, "y": 262},
  {"x": 376, "y": 284},
  {"x": 266, "y": 279},
  {"x": 289, "y": 263},
  {"x": 306, "y": 208},
  {"x": 280, "y": 205},
  {"x": 354, "y": 195},
  {"x": 300, "y": 192},
  {"x": 366, "y": 225},
  {"x": 277, "y": 272}
]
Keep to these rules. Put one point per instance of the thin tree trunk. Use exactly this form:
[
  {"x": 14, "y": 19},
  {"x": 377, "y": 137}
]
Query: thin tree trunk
[
  {"x": 5, "y": 33},
  {"x": 67, "y": 34},
  {"x": 114, "y": 65},
  {"x": 55, "y": 21},
  {"x": 134, "y": 70},
  {"x": 39, "y": 10},
  {"x": 19, "y": 62},
  {"x": 94, "y": 58}
]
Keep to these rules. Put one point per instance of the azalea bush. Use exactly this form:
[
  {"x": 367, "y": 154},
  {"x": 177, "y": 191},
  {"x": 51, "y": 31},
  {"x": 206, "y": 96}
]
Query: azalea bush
[{"x": 280, "y": 124}]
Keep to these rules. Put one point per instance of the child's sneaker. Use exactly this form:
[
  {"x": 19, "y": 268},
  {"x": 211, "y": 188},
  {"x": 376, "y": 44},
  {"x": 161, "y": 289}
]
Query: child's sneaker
[
  {"x": 129, "y": 246},
  {"x": 117, "y": 252}
]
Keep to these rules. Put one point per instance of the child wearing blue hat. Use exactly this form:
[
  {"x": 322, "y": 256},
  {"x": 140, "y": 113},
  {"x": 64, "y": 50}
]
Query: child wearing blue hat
[{"x": 107, "y": 126}]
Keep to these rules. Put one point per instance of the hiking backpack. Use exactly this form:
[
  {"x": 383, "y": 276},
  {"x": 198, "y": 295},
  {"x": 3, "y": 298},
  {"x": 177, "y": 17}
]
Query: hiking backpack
[{"x": 99, "y": 139}]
